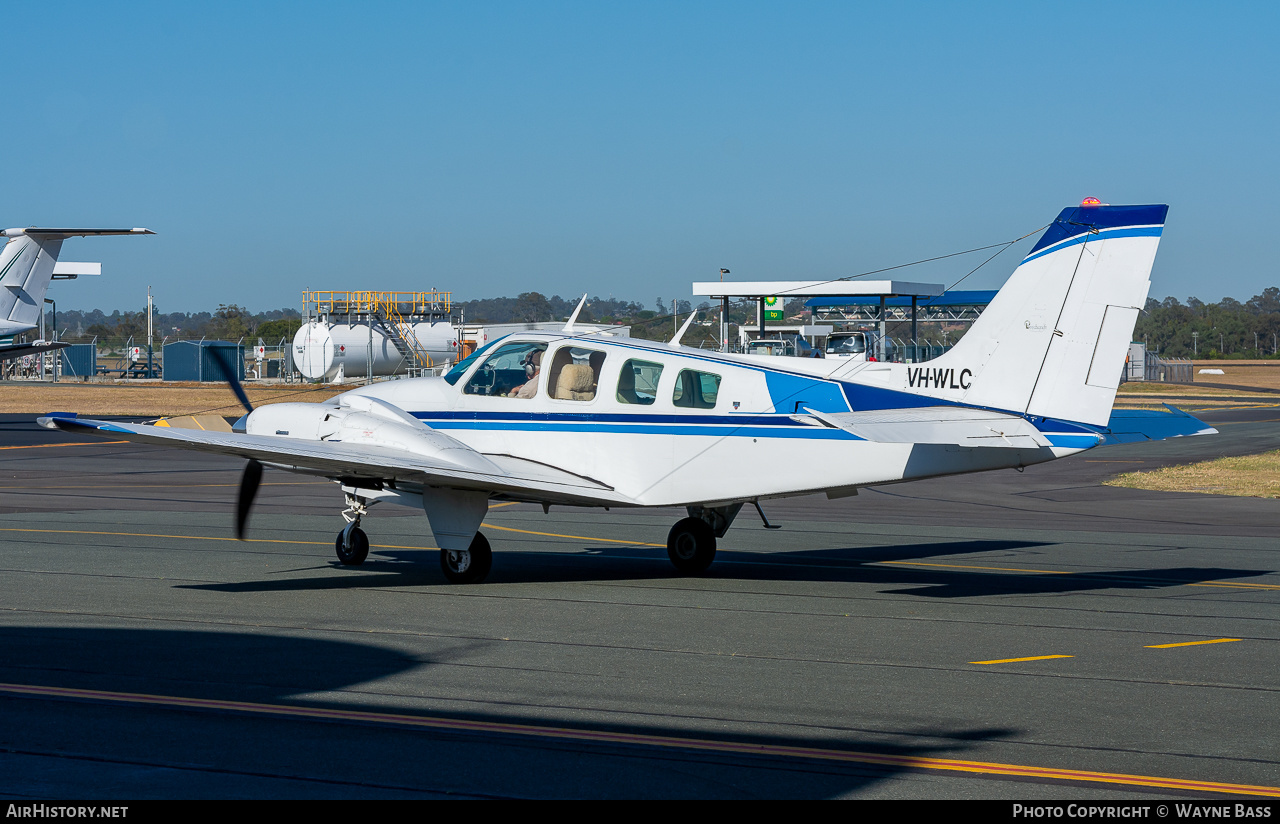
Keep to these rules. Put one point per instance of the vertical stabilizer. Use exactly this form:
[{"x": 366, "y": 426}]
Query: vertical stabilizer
[
  {"x": 26, "y": 266},
  {"x": 1053, "y": 341}
]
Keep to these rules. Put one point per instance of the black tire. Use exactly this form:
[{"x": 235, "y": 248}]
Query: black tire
[
  {"x": 691, "y": 546},
  {"x": 359, "y": 548},
  {"x": 470, "y": 567}
]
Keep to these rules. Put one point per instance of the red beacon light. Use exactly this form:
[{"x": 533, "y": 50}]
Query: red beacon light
[{"x": 1092, "y": 201}]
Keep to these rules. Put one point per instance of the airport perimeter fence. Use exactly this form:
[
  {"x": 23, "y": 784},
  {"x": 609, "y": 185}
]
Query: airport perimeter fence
[
  {"x": 1168, "y": 370},
  {"x": 906, "y": 350},
  {"x": 126, "y": 357}
]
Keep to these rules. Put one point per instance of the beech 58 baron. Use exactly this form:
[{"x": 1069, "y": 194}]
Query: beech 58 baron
[
  {"x": 28, "y": 262},
  {"x": 587, "y": 420}
]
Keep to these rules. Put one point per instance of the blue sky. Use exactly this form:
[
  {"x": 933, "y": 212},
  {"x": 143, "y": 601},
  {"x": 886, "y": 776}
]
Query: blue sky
[{"x": 491, "y": 148}]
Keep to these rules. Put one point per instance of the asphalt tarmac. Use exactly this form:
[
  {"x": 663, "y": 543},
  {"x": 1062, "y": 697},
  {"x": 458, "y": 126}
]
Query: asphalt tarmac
[{"x": 1006, "y": 635}]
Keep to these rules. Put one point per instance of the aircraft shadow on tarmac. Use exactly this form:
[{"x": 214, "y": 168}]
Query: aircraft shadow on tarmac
[
  {"x": 276, "y": 670},
  {"x": 875, "y": 565}
]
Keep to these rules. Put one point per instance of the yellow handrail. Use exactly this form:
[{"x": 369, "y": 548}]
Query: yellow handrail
[
  {"x": 388, "y": 304},
  {"x": 353, "y": 302}
]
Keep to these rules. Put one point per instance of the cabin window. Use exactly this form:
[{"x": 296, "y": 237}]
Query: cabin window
[
  {"x": 513, "y": 371},
  {"x": 575, "y": 373},
  {"x": 696, "y": 390},
  {"x": 638, "y": 382}
]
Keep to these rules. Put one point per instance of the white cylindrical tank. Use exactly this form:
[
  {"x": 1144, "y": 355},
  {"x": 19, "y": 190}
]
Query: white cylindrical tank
[{"x": 321, "y": 349}]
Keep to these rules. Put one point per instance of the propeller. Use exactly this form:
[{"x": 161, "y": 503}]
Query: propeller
[{"x": 252, "y": 476}]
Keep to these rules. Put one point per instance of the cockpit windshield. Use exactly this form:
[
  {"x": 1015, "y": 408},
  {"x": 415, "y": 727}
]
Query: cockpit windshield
[{"x": 463, "y": 365}]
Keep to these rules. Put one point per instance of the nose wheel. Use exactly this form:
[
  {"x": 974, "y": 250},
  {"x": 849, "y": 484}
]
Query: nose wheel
[
  {"x": 470, "y": 566},
  {"x": 352, "y": 545}
]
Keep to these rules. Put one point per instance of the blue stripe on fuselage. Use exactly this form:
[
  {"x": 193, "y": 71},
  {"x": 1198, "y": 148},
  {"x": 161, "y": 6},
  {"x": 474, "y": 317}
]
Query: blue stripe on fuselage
[{"x": 719, "y": 426}]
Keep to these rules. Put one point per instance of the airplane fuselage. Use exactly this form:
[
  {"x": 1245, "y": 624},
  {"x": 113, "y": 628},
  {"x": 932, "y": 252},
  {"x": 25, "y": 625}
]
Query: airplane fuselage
[{"x": 750, "y": 439}]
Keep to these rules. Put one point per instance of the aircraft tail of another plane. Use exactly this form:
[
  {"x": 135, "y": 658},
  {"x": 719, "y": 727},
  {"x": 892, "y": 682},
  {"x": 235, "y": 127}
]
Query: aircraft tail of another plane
[
  {"x": 1053, "y": 341},
  {"x": 26, "y": 266}
]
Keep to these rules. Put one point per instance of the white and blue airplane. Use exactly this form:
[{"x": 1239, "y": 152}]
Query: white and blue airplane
[
  {"x": 28, "y": 261},
  {"x": 589, "y": 420}
]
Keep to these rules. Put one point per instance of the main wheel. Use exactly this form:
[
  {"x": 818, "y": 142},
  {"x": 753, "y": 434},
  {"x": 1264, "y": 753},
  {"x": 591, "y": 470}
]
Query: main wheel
[
  {"x": 691, "y": 545},
  {"x": 469, "y": 567},
  {"x": 354, "y": 549}
]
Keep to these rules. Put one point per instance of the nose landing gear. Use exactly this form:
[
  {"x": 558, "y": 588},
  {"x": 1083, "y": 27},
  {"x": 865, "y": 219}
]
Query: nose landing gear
[{"x": 352, "y": 544}]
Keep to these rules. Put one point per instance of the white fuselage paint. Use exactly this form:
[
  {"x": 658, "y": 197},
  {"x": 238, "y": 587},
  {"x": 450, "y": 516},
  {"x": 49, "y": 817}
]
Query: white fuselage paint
[{"x": 747, "y": 447}]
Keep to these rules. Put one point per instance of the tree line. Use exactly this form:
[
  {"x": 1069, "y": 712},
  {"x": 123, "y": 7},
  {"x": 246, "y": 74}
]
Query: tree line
[
  {"x": 1169, "y": 327},
  {"x": 1226, "y": 329},
  {"x": 228, "y": 322}
]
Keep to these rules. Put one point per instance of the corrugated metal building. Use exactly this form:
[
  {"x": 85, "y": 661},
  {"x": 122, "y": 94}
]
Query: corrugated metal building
[
  {"x": 192, "y": 360},
  {"x": 79, "y": 360}
]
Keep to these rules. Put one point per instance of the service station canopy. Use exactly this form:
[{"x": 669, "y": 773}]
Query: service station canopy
[{"x": 814, "y": 288}]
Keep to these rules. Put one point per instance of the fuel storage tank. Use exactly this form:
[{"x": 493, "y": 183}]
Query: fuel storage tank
[{"x": 327, "y": 351}]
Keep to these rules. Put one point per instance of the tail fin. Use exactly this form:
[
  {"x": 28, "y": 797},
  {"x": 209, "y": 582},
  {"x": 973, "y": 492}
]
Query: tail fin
[
  {"x": 26, "y": 266},
  {"x": 1054, "y": 339}
]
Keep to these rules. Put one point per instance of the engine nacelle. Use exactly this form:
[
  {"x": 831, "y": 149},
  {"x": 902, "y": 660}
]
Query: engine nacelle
[
  {"x": 367, "y": 421},
  {"x": 290, "y": 420}
]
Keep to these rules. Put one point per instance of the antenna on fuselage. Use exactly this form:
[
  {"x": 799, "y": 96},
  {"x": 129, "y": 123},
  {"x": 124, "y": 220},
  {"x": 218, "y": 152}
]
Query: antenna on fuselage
[
  {"x": 676, "y": 340},
  {"x": 568, "y": 327}
]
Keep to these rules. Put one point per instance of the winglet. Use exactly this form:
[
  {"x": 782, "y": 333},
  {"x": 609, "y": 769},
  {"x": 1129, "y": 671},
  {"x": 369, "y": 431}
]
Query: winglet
[
  {"x": 568, "y": 327},
  {"x": 675, "y": 341}
]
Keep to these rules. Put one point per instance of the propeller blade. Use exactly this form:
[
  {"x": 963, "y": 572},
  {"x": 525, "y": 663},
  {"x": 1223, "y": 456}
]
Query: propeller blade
[
  {"x": 229, "y": 372},
  {"x": 248, "y": 489}
]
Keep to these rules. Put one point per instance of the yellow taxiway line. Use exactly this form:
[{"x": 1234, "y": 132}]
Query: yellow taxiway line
[
  {"x": 52, "y": 445},
  {"x": 638, "y": 739},
  {"x": 1016, "y": 660},
  {"x": 1193, "y": 643}
]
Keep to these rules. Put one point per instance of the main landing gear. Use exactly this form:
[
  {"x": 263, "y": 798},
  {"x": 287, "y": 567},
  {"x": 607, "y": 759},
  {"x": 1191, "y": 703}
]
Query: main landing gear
[
  {"x": 691, "y": 545},
  {"x": 470, "y": 566}
]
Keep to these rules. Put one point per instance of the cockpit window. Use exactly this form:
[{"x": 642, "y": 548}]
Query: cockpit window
[
  {"x": 513, "y": 371},
  {"x": 696, "y": 390},
  {"x": 463, "y": 365},
  {"x": 575, "y": 373},
  {"x": 638, "y": 382}
]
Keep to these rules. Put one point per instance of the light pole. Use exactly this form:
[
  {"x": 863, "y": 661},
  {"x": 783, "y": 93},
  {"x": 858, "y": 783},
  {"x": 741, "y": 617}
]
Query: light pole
[
  {"x": 724, "y": 317},
  {"x": 1195, "y": 341}
]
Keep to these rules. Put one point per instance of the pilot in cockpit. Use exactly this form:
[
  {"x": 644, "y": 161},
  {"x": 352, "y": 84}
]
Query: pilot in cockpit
[{"x": 532, "y": 369}]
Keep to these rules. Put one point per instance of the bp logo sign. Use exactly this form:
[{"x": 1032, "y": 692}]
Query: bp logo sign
[{"x": 772, "y": 309}]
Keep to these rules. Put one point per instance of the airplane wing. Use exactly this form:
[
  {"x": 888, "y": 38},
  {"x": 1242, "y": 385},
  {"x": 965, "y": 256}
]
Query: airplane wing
[
  {"x": 17, "y": 350},
  {"x": 959, "y": 425},
  {"x": 510, "y": 476}
]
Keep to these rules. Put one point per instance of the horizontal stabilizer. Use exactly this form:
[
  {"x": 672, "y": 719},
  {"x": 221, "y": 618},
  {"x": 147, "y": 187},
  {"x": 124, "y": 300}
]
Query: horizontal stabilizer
[
  {"x": 19, "y": 350},
  {"x": 958, "y": 425},
  {"x": 74, "y": 269},
  {"x": 64, "y": 233},
  {"x": 1130, "y": 425}
]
